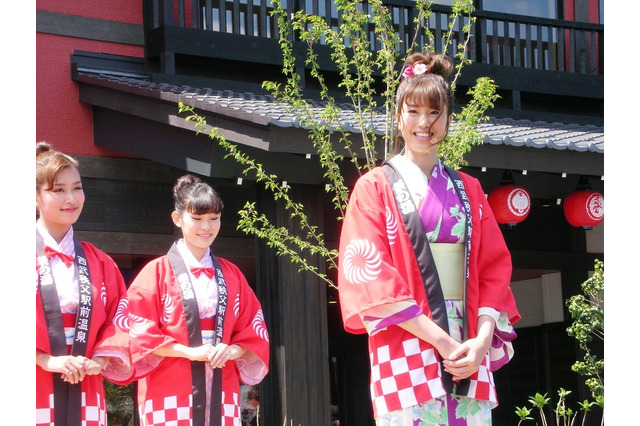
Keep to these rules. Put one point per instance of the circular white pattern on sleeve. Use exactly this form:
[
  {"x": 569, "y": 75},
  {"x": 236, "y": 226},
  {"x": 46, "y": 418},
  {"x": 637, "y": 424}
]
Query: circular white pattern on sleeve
[
  {"x": 392, "y": 225},
  {"x": 103, "y": 295},
  {"x": 138, "y": 325},
  {"x": 361, "y": 262},
  {"x": 259, "y": 326},
  {"x": 167, "y": 308},
  {"x": 121, "y": 319},
  {"x": 236, "y": 306}
]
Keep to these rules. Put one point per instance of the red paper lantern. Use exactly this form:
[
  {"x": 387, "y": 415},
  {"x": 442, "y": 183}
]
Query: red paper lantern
[
  {"x": 511, "y": 204},
  {"x": 584, "y": 208}
]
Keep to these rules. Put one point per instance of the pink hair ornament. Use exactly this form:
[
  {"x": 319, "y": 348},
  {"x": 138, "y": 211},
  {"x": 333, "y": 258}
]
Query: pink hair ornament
[{"x": 416, "y": 69}]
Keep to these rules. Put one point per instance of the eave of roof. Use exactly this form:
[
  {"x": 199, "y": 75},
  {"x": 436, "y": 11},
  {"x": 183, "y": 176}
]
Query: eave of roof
[
  {"x": 538, "y": 134},
  {"x": 266, "y": 110}
]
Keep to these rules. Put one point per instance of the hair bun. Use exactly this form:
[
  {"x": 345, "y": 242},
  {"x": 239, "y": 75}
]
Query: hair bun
[
  {"x": 436, "y": 63},
  {"x": 184, "y": 182},
  {"x": 191, "y": 194},
  {"x": 42, "y": 147}
]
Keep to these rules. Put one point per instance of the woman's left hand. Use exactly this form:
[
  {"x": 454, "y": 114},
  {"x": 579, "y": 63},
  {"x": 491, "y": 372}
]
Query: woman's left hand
[
  {"x": 221, "y": 353},
  {"x": 95, "y": 365},
  {"x": 466, "y": 360}
]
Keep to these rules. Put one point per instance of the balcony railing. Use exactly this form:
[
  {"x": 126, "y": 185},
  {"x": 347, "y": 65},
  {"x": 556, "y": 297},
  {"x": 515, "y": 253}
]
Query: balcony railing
[{"x": 497, "y": 38}]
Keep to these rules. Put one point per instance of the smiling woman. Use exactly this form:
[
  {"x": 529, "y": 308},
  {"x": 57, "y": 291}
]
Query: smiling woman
[
  {"x": 197, "y": 327},
  {"x": 422, "y": 128},
  {"x": 197, "y": 213},
  {"x": 81, "y": 306},
  {"x": 61, "y": 204},
  {"x": 424, "y": 107},
  {"x": 435, "y": 334}
]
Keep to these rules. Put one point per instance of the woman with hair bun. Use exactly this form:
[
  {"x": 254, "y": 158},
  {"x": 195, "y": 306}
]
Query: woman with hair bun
[
  {"x": 425, "y": 271},
  {"x": 81, "y": 304},
  {"x": 197, "y": 328}
]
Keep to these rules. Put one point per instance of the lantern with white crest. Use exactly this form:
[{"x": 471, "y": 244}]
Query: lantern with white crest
[
  {"x": 584, "y": 208},
  {"x": 509, "y": 202}
]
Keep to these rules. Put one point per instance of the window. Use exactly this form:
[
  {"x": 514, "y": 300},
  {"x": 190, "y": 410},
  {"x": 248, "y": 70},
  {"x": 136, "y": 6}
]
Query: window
[
  {"x": 539, "y": 8},
  {"x": 601, "y": 11}
]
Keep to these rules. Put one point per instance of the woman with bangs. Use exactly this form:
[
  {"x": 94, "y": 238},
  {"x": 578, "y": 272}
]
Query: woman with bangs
[
  {"x": 424, "y": 270},
  {"x": 197, "y": 328},
  {"x": 81, "y": 304}
]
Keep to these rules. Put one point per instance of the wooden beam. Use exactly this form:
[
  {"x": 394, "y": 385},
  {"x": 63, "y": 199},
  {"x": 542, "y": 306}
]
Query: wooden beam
[
  {"x": 128, "y": 242},
  {"x": 536, "y": 81},
  {"x": 89, "y": 28},
  {"x": 191, "y": 152},
  {"x": 157, "y": 244},
  {"x": 125, "y": 169},
  {"x": 536, "y": 159}
]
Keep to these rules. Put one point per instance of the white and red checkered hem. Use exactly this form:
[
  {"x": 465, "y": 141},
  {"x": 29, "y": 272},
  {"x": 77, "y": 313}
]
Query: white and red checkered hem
[
  {"x": 176, "y": 410},
  {"x": 408, "y": 374},
  {"x": 94, "y": 411},
  {"x": 403, "y": 376}
]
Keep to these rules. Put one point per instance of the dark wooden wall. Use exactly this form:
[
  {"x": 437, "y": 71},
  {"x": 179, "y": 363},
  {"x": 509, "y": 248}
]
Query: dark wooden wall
[{"x": 296, "y": 391}]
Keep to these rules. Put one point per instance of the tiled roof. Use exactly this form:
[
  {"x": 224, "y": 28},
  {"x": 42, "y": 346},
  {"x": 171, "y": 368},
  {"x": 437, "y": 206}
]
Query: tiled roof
[
  {"x": 538, "y": 134},
  {"x": 265, "y": 109}
]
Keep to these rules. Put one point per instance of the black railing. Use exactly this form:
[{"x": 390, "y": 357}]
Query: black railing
[{"x": 497, "y": 38}]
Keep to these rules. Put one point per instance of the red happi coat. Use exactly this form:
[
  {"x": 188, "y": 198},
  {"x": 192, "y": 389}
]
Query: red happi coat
[
  {"x": 158, "y": 317},
  {"x": 377, "y": 266},
  {"x": 108, "y": 333}
]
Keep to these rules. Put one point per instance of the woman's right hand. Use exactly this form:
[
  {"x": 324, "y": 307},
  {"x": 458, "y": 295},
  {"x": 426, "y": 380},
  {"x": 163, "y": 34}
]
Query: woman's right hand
[
  {"x": 178, "y": 350},
  {"x": 70, "y": 367},
  {"x": 200, "y": 353},
  {"x": 446, "y": 347},
  {"x": 424, "y": 328}
]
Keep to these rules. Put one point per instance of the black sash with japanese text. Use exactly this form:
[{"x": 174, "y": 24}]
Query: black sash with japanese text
[
  {"x": 458, "y": 184},
  {"x": 67, "y": 397},
  {"x": 424, "y": 257},
  {"x": 190, "y": 303}
]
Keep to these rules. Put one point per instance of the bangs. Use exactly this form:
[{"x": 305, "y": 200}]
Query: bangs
[
  {"x": 204, "y": 201},
  {"x": 46, "y": 177},
  {"x": 425, "y": 94},
  {"x": 425, "y": 90}
]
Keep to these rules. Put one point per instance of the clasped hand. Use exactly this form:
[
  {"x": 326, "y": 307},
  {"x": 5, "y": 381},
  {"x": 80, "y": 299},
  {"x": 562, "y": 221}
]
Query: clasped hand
[
  {"x": 466, "y": 359},
  {"x": 75, "y": 368},
  {"x": 216, "y": 355}
]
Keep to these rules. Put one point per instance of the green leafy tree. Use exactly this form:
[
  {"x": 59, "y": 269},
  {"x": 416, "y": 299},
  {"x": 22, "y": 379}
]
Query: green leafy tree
[
  {"x": 587, "y": 311},
  {"x": 564, "y": 415},
  {"x": 368, "y": 79}
]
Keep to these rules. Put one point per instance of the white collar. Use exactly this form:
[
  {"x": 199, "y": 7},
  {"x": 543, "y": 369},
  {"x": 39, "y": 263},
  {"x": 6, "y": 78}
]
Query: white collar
[
  {"x": 190, "y": 259},
  {"x": 66, "y": 246}
]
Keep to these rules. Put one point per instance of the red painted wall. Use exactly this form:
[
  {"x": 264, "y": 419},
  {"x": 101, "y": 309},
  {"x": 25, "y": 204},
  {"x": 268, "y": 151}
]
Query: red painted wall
[
  {"x": 594, "y": 11},
  {"x": 61, "y": 118},
  {"x": 570, "y": 15},
  {"x": 129, "y": 11}
]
